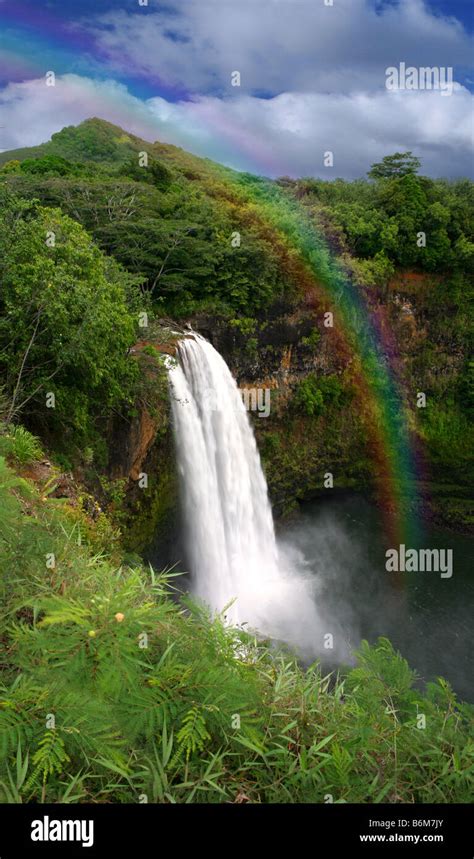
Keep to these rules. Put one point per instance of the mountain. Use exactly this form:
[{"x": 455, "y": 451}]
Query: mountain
[{"x": 96, "y": 140}]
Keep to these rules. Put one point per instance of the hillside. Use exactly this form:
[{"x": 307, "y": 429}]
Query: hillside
[{"x": 172, "y": 226}]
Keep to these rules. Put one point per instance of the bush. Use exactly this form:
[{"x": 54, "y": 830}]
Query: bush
[
  {"x": 53, "y": 165},
  {"x": 316, "y": 393},
  {"x": 21, "y": 445},
  {"x": 313, "y": 338},
  {"x": 448, "y": 435}
]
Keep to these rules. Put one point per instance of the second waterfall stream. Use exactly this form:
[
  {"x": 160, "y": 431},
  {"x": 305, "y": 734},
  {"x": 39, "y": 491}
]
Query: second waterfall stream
[{"x": 230, "y": 539}]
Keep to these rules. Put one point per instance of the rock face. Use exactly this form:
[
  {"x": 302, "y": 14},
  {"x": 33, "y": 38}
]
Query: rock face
[
  {"x": 284, "y": 347},
  {"x": 270, "y": 360},
  {"x": 143, "y": 457},
  {"x": 272, "y": 357},
  {"x": 134, "y": 446}
]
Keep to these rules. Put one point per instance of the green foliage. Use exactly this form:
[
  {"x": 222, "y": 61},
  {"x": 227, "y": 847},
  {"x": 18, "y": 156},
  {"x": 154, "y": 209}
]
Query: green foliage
[
  {"x": 170, "y": 225},
  {"x": 308, "y": 398},
  {"x": 49, "y": 758},
  {"x": 313, "y": 339},
  {"x": 449, "y": 438},
  {"x": 466, "y": 385},
  {"x": 114, "y": 492},
  {"x": 380, "y": 223},
  {"x": 376, "y": 271},
  {"x": 316, "y": 393},
  {"x": 11, "y": 487},
  {"x": 145, "y": 695},
  {"x": 51, "y": 165},
  {"x": 152, "y": 351},
  {"x": 65, "y": 327},
  {"x": 193, "y": 735},
  {"x": 244, "y": 325},
  {"x": 155, "y": 172},
  {"x": 93, "y": 140},
  {"x": 13, "y": 166},
  {"x": 270, "y": 443}
]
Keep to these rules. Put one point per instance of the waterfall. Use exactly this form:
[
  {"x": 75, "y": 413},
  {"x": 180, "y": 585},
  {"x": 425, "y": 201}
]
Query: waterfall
[{"x": 230, "y": 538}]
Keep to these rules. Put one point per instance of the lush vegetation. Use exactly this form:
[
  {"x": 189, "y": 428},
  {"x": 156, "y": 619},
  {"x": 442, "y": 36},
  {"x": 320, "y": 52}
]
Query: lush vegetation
[
  {"x": 170, "y": 226},
  {"x": 316, "y": 394},
  {"x": 399, "y": 219},
  {"x": 172, "y": 218},
  {"x": 112, "y": 691},
  {"x": 66, "y": 322},
  {"x": 173, "y": 235},
  {"x": 100, "y": 228},
  {"x": 111, "y": 688}
]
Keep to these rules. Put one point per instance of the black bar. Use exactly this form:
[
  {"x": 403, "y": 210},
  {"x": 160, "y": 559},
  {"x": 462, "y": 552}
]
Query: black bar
[{"x": 128, "y": 830}]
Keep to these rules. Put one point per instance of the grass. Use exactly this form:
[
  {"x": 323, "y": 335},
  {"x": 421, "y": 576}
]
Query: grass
[{"x": 19, "y": 444}]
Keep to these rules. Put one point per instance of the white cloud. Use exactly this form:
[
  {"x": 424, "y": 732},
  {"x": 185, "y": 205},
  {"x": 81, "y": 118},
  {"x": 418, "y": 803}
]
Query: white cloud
[
  {"x": 277, "y": 45},
  {"x": 32, "y": 111},
  {"x": 287, "y": 134}
]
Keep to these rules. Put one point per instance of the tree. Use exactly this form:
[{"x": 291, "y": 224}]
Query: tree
[
  {"x": 362, "y": 227},
  {"x": 65, "y": 326},
  {"x": 394, "y": 166},
  {"x": 11, "y": 167},
  {"x": 155, "y": 172},
  {"x": 404, "y": 200}
]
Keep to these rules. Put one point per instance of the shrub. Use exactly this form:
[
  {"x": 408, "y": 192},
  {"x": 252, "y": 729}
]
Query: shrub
[
  {"x": 315, "y": 393},
  {"x": 313, "y": 338},
  {"x": 53, "y": 165},
  {"x": 21, "y": 445}
]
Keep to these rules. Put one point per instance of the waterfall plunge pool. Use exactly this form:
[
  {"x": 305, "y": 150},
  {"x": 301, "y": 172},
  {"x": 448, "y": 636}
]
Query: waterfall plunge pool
[{"x": 426, "y": 617}]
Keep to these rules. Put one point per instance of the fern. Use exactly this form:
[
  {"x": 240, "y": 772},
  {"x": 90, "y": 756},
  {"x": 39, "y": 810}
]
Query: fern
[
  {"x": 48, "y": 760},
  {"x": 11, "y": 728},
  {"x": 341, "y": 763},
  {"x": 193, "y": 734}
]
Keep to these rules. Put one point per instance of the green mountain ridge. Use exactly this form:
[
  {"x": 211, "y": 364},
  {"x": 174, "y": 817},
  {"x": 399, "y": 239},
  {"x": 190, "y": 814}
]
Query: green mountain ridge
[{"x": 96, "y": 140}]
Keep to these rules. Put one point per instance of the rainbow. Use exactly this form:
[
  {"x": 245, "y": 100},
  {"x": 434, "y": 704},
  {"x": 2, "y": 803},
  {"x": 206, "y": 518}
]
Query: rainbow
[
  {"x": 36, "y": 40},
  {"x": 359, "y": 335}
]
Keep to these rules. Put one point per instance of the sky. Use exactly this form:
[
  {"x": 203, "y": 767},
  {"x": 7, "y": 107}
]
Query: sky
[{"x": 312, "y": 78}]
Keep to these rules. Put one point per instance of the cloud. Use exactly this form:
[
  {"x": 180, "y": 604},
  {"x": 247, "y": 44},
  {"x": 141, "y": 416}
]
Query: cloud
[
  {"x": 277, "y": 45},
  {"x": 287, "y": 134},
  {"x": 32, "y": 111}
]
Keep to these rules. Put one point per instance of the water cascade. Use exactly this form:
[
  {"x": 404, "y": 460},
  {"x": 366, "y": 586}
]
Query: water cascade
[{"x": 231, "y": 547}]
